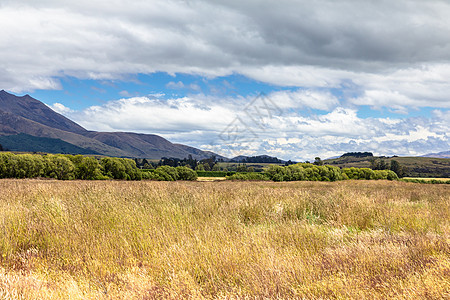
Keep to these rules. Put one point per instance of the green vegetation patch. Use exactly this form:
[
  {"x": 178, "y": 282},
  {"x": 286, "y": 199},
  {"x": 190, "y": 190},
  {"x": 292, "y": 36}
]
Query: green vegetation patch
[{"x": 214, "y": 173}]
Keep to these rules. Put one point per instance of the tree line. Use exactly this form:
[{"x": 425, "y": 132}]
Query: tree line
[
  {"x": 207, "y": 164},
  {"x": 395, "y": 166},
  {"x": 311, "y": 172},
  {"x": 68, "y": 167}
]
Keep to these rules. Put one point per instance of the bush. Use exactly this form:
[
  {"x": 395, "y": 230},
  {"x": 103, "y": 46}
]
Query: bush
[
  {"x": 120, "y": 168},
  {"x": 186, "y": 173},
  {"x": 214, "y": 173},
  {"x": 166, "y": 173},
  {"x": 87, "y": 168},
  {"x": 59, "y": 167},
  {"x": 310, "y": 172}
]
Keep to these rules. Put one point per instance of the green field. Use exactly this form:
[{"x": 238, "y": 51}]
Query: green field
[{"x": 224, "y": 240}]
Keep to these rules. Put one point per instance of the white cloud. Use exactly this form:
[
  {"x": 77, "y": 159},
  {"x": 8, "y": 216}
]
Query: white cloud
[
  {"x": 291, "y": 43},
  {"x": 175, "y": 85},
  {"x": 60, "y": 108},
  {"x": 204, "y": 121},
  {"x": 124, "y": 93},
  {"x": 151, "y": 114},
  {"x": 426, "y": 86},
  {"x": 357, "y": 47},
  {"x": 322, "y": 100}
]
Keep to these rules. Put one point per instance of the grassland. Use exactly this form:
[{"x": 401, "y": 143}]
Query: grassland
[
  {"x": 224, "y": 240},
  {"x": 210, "y": 179},
  {"x": 428, "y": 179}
]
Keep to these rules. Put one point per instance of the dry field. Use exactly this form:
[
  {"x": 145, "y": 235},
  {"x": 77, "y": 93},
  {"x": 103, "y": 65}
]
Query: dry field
[
  {"x": 224, "y": 240},
  {"x": 427, "y": 179}
]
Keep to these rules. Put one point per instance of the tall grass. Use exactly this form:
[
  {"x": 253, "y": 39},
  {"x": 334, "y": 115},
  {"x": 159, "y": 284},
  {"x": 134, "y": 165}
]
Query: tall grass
[{"x": 147, "y": 240}]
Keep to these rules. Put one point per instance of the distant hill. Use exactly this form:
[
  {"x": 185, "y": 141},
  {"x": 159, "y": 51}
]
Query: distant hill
[
  {"x": 26, "y": 115},
  {"x": 444, "y": 154},
  {"x": 416, "y": 166},
  {"x": 29, "y": 143}
]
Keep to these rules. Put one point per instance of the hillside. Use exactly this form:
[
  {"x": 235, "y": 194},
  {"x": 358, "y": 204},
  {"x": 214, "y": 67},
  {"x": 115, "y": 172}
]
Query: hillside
[
  {"x": 416, "y": 166},
  {"x": 444, "y": 154},
  {"x": 29, "y": 143},
  {"x": 34, "y": 110},
  {"x": 26, "y": 115}
]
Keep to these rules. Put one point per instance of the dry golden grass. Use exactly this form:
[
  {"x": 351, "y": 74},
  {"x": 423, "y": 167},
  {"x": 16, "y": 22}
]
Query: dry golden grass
[
  {"x": 428, "y": 179},
  {"x": 224, "y": 240},
  {"x": 210, "y": 179}
]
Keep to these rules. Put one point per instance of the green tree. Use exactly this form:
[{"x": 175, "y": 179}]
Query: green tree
[
  {"x": 113, "y": 168},
  {"x": 200, "y": 167},
  {"x": 398, "y": 169},
  {"x": 242, "y": 168},
  {"x": 186, "y": 173},
  {"x": 59, "y": 167},
  {"x": 87, "y": 168},
  {"x": 318, "y": 161},
  {"x": 167, "y": 173}
]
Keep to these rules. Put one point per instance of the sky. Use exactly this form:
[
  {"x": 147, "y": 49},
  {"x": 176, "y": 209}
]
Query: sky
[{"x": 293, "y": 79}]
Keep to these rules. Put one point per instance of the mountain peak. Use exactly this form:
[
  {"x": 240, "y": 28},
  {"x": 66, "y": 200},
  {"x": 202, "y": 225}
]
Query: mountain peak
[
  {"x": 29, "y": 116},
  {"x": 29, "y": 108}
]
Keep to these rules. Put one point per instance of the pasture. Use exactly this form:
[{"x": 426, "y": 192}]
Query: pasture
[{"x": 223, "y": 240}]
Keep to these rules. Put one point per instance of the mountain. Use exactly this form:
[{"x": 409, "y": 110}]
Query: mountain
[
  {"x": 22, "y": 118},
  {"x": 29, "y": 143},
  {"x": 11, "y": 124},
  {"x": 147, "y": 145},
  {"x": 34, "y": 110},
  {"x": 444, "y": 154}
]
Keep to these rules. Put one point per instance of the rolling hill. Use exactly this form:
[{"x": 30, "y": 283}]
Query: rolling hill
[
  {"x": 23, "y": 142},
  {"x": 444, "y": 154},
  {"x": 416, "y": 166},
  {"x": 26, "y": 115}
]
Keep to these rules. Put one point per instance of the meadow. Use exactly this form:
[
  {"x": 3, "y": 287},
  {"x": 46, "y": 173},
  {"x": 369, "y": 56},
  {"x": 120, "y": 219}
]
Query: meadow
[{"x": 224, "y": 240}]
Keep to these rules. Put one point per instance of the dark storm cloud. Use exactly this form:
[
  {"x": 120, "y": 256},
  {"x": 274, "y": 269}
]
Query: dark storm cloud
[
  {"x": 103, "y": 39},
  {"x": 393, "y": 54}
]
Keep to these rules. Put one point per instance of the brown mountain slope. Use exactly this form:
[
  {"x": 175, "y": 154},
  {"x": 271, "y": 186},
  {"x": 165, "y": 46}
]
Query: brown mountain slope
[
  {"x": 146, "y": 145},
  {"x": 30, "y": 116},
  {"x": 11, "y": 124},
  {"x": 34, "y": 110}
]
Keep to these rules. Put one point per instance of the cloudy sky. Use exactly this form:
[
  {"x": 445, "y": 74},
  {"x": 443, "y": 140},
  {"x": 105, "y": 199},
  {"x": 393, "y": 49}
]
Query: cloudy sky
[{"x": 293, "y": 79}]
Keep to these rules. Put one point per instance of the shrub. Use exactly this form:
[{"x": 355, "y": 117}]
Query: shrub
[
  {"x": 59, "y": 167},
  {"x": 186, "y": 173},
  {"x": 87, "y": 168},
  {"x": 166, "y": 173}
]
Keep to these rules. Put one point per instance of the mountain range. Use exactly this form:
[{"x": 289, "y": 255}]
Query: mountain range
[
  {"x": 444, "y": 154},
  {"x": 27, "y": 124}
]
